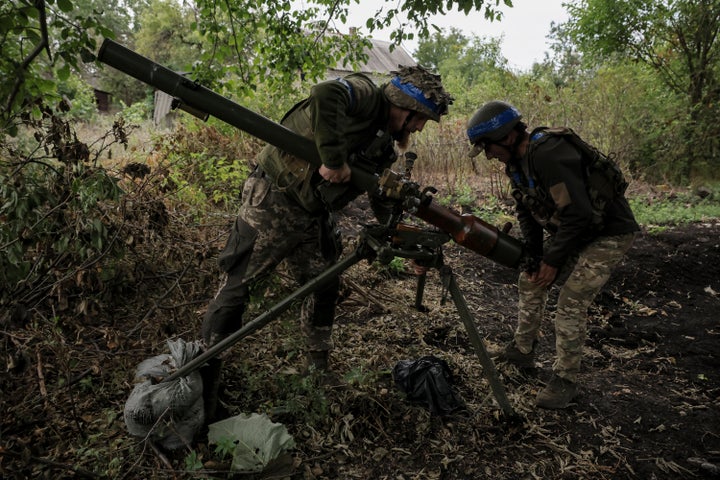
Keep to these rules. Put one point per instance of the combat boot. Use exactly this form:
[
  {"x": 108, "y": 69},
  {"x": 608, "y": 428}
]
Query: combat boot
[
  {"x": 557, "y": 393},
  {"x": 511, "y": 354}
]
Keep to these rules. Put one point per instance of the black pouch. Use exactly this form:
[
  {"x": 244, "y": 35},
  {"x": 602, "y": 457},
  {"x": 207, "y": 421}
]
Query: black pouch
[{"x": 428, "y": 381}]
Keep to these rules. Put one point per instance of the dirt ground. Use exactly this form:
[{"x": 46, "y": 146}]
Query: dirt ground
[
  {"x": 650, "y": 399},
  {"x": 648, "y": 408}
]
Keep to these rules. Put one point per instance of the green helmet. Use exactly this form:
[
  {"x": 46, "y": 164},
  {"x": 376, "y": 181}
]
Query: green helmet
[
  {"x": 415, "y": 88},
  {"x": 491, "y": 123}
]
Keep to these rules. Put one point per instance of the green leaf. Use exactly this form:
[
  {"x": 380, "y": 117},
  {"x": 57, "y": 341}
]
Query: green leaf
[
  {"x": 65, "y": 5},
  {"x": 257, "y": 440},
  {"x": 6, "y": 24},
  {"x": 105, "y": 32},
  {"x": 63, "y": 72},
  {"x": 30, "y": 12}
]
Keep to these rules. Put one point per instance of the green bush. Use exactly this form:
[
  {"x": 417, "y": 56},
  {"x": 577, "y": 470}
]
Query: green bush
[
  {"x": 622, "y": 108},
  {"x": 81, "y": 97},
  {"x": 463, "y": 196},
  {"x": 207, "y": 167},
  {"x": 137, "y": 113},
  {"x": 54, "y": 212}
]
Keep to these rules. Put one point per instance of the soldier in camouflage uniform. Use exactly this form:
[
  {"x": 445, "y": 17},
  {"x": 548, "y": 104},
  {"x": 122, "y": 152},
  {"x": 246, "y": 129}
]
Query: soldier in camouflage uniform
[
  {"x": 288, "y": 205},
  {"x": 576, "y": 224}
]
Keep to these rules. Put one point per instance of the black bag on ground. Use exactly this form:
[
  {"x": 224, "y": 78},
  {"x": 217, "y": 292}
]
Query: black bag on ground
[{"x": 428, "y": 381}]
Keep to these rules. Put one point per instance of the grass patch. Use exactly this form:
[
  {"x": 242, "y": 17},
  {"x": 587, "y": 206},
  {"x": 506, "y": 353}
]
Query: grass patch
[{"x": 657, "y": 214}]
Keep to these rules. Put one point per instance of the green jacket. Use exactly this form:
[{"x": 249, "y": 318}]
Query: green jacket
[
  {"x": 552, "y": 195},
  {"x": 347, "y": 118}
]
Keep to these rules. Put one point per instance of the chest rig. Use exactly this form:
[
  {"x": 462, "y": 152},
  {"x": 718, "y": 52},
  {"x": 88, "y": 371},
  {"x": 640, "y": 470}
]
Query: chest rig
[{"x": 603, "y": 179}]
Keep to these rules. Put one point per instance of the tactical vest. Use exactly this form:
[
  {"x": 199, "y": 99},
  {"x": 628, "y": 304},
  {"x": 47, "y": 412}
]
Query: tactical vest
[{"x": 603, "y": 178}]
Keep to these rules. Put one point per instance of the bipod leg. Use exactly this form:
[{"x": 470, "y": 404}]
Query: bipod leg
[
  {"x": 485, "y": 360},
  {"x": 273, "y": 312}
]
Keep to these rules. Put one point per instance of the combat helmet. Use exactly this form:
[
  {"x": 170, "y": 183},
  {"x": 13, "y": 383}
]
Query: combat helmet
[
  {"x": 491, "y": 123},
  {"x": 416, "y": 88}
]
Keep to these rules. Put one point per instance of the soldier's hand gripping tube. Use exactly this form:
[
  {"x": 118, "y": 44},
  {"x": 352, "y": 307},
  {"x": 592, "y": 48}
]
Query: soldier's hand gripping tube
[{"x": 466, "y": 230}]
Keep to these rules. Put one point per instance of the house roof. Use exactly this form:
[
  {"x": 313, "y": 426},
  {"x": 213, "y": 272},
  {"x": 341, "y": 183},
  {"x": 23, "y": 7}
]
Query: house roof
[{"x": 380, "y": 59}]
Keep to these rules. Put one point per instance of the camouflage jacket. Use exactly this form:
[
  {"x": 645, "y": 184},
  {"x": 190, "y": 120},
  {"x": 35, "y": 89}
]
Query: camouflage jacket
[
  {"x": 552, "y": 194},
  {"x": 347, "y": 118}
]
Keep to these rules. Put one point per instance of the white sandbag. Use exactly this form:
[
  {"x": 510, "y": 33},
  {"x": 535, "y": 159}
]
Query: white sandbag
[{"x": 170, "y": 413}]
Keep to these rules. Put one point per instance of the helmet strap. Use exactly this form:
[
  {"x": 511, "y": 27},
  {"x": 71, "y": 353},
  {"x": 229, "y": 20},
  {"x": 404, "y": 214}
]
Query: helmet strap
[
  {"x": 401, "y": 135},
  {"x": 511, "y": 149},
  {"x": 408, "y": 118}
]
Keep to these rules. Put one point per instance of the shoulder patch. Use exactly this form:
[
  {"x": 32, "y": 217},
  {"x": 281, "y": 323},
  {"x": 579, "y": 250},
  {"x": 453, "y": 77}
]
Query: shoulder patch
[{"x": 350, "y": 89}]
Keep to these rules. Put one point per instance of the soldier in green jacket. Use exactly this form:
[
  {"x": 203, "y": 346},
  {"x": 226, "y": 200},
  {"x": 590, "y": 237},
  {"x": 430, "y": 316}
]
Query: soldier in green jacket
[
  {"x": 287, "y": 209},
  {"x": 576, "y": 222}
]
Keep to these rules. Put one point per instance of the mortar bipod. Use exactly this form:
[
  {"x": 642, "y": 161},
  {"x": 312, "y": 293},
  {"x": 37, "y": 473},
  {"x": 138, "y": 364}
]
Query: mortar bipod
[
  {"x": 426, "y": 246},
  {"x": 428, "y": 250}
]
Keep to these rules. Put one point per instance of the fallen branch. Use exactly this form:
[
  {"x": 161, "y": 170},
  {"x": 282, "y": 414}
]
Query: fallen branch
[
  {"x": 365, "y": 294},
  {"x": 163, "y": 458}
]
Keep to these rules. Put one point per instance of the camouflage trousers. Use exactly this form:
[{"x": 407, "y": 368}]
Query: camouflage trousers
[
  {"x": 271, "y": 228},
  {"x": 582, "y": 277}
]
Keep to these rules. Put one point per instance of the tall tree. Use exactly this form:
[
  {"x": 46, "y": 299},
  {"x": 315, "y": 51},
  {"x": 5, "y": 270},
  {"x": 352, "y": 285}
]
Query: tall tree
[
  {"x": 465, "y": 62},
  {"x": 165, "y": 34},
  {"x": 439, "y": 46},
  {"x": 275, "y": 41},
  {"x": 677, "y": 38}
]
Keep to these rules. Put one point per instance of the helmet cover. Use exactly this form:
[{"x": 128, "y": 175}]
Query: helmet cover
[{"x": 416, "y": 88}]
